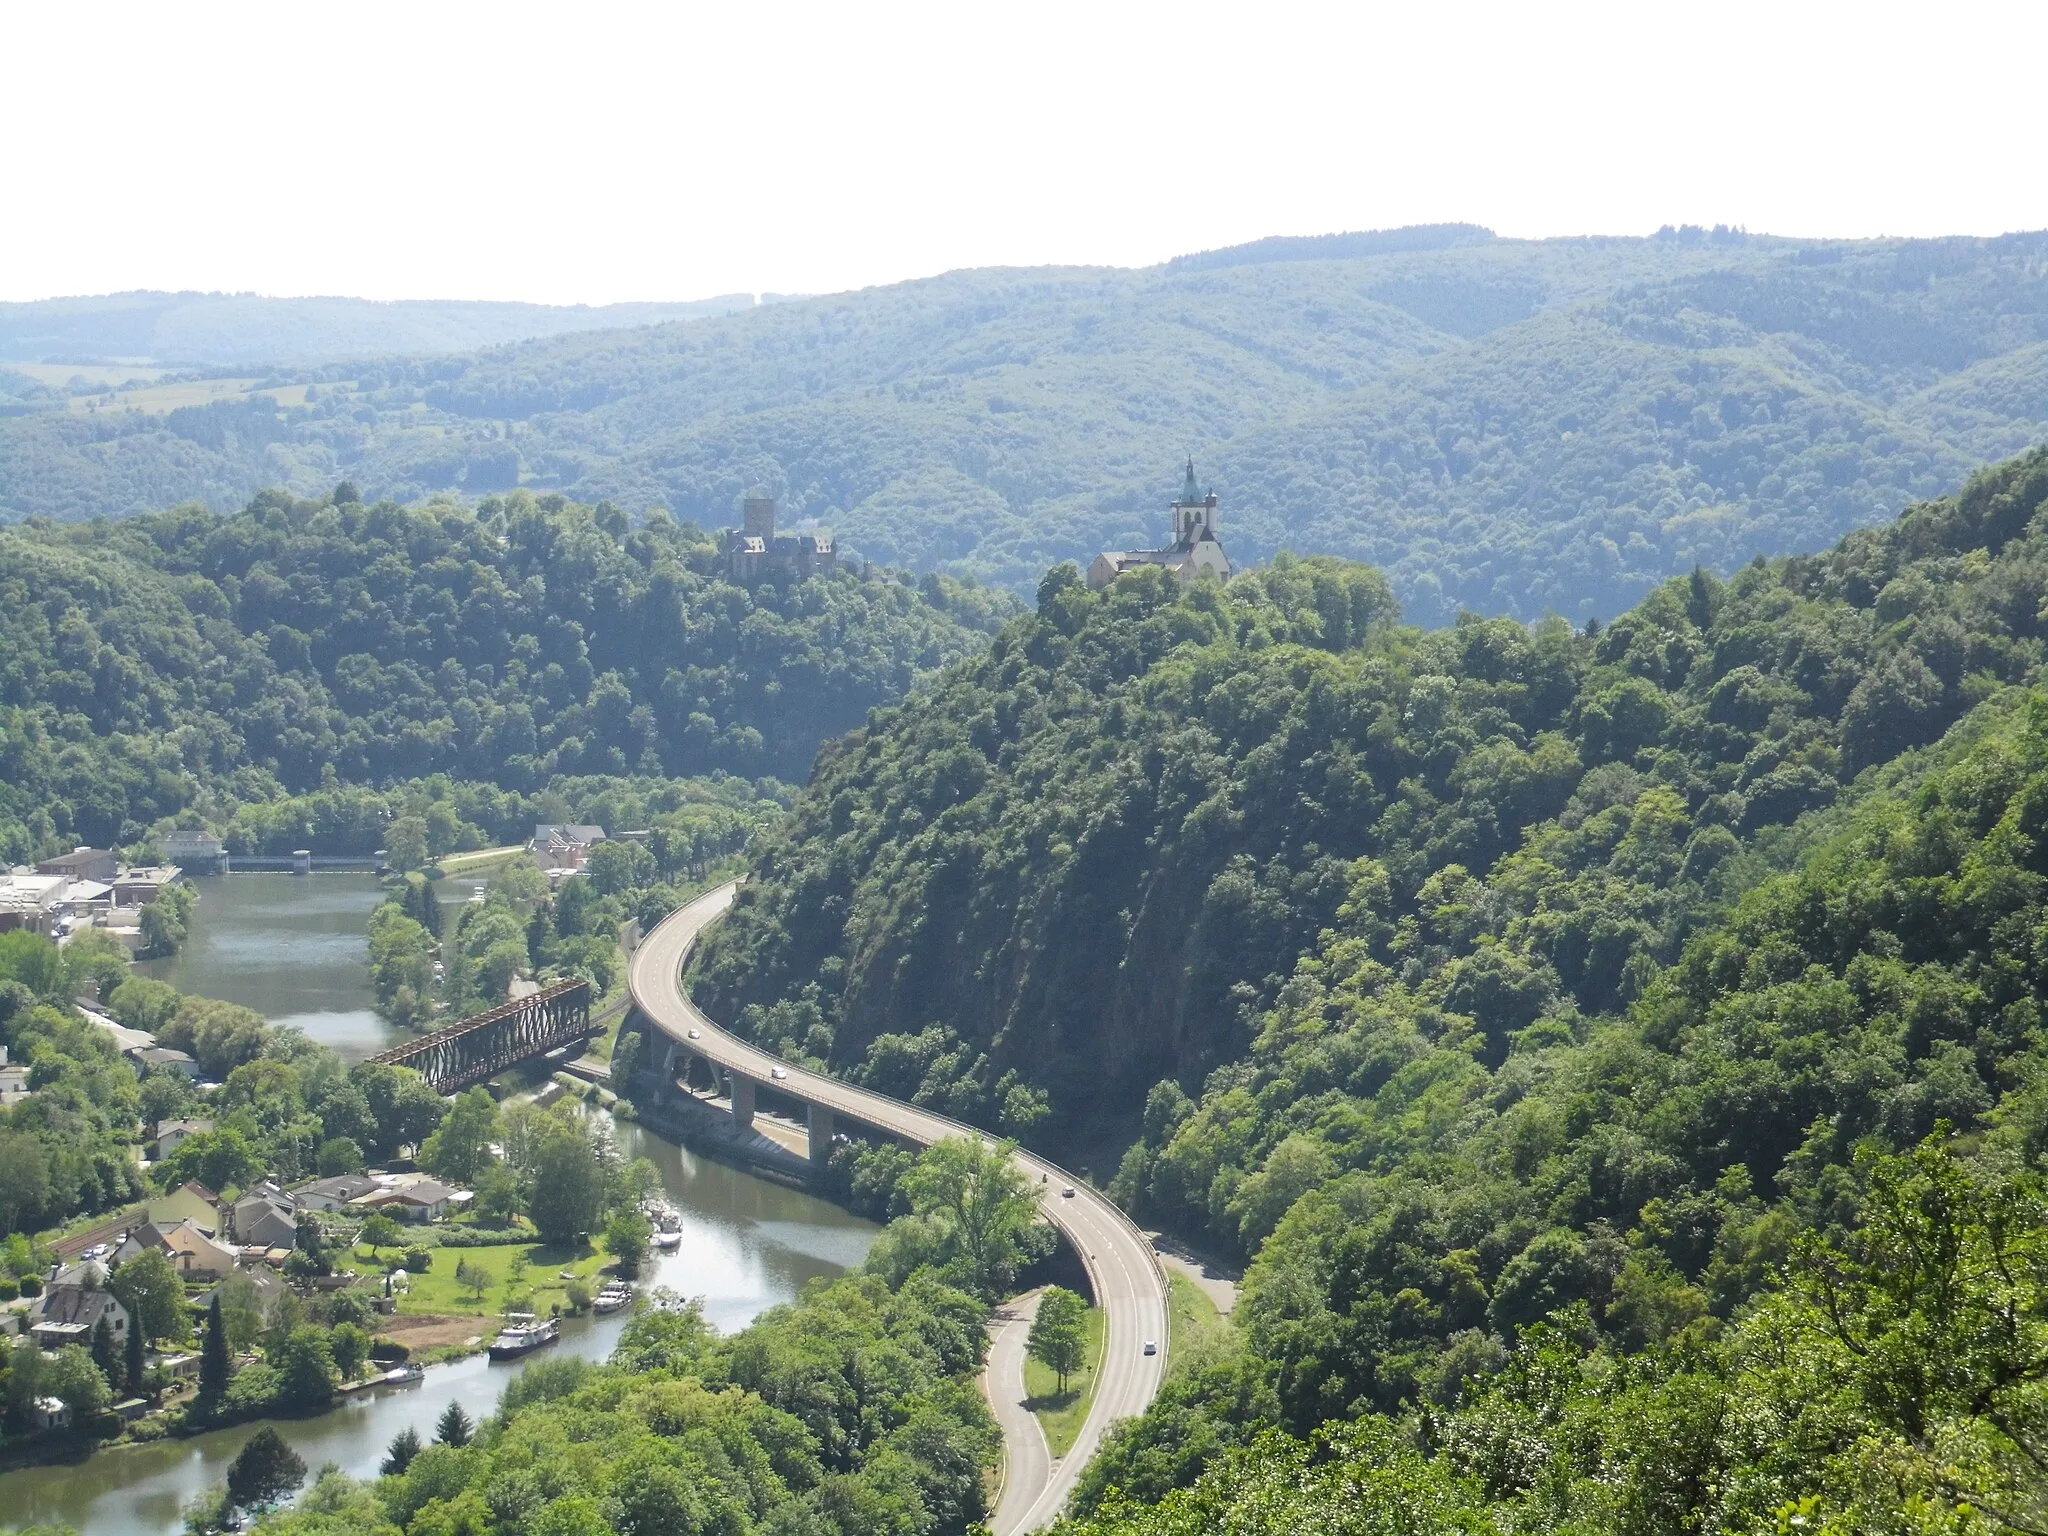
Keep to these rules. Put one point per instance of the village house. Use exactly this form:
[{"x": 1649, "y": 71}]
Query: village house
[
  {"x": 413, "y": 1199},
  {"x": 190, "y": 1201},
  {"x": 265, "y": 1218},
  {"x": 172, "y": 1134},
  {"x": 333, "y": 1194},
  {"x": 164, "y": 1058},
  {"x": 193, "y": 1253},
  {"x": 71, "y": 1306},
  {"x": 561, "y": 848}
]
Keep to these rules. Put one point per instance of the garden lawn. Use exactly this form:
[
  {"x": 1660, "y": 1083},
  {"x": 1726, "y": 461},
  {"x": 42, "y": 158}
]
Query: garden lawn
[
  {"x": 438, "y": 1292},
  {"x": 1061, "y": 1414}
]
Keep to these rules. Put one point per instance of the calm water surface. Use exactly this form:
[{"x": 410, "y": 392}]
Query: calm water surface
[
  {"x": 281, "y": 944},
  {"x": 295, "y": 948}
]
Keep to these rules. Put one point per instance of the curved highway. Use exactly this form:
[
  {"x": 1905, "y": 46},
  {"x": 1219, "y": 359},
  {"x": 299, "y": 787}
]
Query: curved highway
[{"x": 1122, "y": 1268}]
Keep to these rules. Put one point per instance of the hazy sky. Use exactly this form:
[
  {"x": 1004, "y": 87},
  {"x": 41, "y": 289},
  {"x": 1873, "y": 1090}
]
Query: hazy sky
[{"x": 590, "y": 152}]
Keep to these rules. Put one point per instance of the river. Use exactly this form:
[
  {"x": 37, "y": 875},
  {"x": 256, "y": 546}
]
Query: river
[
  {"x": 292, "y": 947},
  {"x": 748, "y": 1243}
]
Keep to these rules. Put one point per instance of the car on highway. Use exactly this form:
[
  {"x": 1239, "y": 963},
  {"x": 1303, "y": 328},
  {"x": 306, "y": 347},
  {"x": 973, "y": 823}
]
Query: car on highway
[
  {"x": 1067, "y": 1193},
  {"x": 693, "y": 1034},
  {"x": 1151, "y": 1347},
  {"x": 778, "y": 1073}
]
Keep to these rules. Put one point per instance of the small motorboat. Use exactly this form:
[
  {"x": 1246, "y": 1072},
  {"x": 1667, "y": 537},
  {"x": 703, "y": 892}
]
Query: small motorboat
[
  {"x": 522, "y": 1335},
  {"x": 616, "y": 1295},
  {"x": 670, "y": 1240},
  {"x": 403, "y": 1376}
]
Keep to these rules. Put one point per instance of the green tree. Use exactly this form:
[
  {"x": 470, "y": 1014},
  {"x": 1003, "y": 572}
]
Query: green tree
[
  {"x": 350, "y": 1344},
  {"x": 1059, "y": 1338},
  {"x": 106, "y": 1352},
  {"x": 150, "y": 1289},
  {"x": 264, "y": 1471},
  {"x": 133, "y": 1368},
  {"x": 983, "y": 1200},
  {"x": 242, "y": 1310},
  {"x": 338, "y": 1154},
  {"x": 616, "y": 867},
  {"x": 568, "y": 1183},
  {"x": 405, "y": 843},
  {"x": 305, "y": 1366},
  {"x": 626, "y": 1237},
  {"x": 221, "y": 1159},
  {"x": 214, "y": 1366},
  {"x": 460, "y": 1147},
  {"x": 474, "y": 1278},
  {"x": 77, "y": 1380},
  {"x": 381, "y": 1231},
  {"x": 405, "y": 1445},
  {"x": 498, "y": 1196},
  {"x": 454, "y": 1427}
]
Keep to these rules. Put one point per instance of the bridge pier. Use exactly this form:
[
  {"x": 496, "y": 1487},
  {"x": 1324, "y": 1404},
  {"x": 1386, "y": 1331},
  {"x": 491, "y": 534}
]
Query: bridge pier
[
  {"x": 742, "y": 1102},
  {"x": 821, "y": 1137}
]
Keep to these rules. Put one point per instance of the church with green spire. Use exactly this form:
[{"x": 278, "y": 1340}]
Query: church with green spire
[{"x": 1195, "y": 551}]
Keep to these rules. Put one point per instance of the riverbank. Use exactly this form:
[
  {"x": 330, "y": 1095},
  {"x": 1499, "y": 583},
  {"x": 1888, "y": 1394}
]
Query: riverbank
[{"x": 748, "y": 1244}]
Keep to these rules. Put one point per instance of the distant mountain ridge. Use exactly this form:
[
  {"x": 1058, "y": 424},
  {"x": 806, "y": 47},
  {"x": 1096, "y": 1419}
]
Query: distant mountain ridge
[
  {"x": 1509, "y": 426},
  {"x": 203, "y": 330}
]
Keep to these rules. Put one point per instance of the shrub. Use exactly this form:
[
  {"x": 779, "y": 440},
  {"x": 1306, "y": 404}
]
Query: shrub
[
  {"x": 418, "y": 1261},
  {"x": 31, "y": 1285}
]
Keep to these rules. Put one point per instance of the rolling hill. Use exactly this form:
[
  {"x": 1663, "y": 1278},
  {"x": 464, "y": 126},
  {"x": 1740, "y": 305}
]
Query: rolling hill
[{"x": 1509, "y": 426}]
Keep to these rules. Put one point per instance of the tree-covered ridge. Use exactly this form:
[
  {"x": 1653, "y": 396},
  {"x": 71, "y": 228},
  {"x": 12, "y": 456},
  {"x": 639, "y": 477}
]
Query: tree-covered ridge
[
  {"x": 230, "y": 329},
  {"x": 298, "y": 646},
  {"x": 1090, "y": 857},
  {"x": 1890, "y": 1382},
  {"x": 1510, "y": 426}
]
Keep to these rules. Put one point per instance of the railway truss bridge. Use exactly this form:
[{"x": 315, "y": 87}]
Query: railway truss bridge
[{"x": 485, "y": 1044}]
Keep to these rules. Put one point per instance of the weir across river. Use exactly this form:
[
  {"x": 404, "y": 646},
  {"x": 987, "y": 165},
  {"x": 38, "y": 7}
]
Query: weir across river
[{"x": 485, "y": 1044}]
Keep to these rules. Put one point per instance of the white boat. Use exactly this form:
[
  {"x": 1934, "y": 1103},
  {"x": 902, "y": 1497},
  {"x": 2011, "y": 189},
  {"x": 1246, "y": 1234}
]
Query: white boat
[
  {"x": 403, "y": 1376},
  {"x": 614, "y": 1296},
  {"x": 669, "y": 1242},
  {"x": 522, "y": 1335}
]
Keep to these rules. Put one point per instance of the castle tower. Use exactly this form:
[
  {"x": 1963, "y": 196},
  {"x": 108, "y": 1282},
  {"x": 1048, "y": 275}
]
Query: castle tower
[{"x": 758, "y": 517}]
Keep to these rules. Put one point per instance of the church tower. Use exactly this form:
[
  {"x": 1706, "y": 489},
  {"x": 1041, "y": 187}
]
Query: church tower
[{"x": 1194, "y": 514}]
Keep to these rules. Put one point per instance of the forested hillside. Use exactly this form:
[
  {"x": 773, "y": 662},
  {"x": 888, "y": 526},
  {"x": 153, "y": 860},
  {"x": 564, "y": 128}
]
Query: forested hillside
[
  {"x": 1508, "y": 426},
  {"x": 209, "y": 330},
  {"x": 275, "y": 668},
  {"x": 1617, "y": 1051}
]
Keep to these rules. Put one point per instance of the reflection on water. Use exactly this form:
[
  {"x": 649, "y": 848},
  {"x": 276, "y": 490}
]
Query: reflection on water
[
  {"x": 293, "y": 947},
  {"x": 748, "y": 1244}
]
